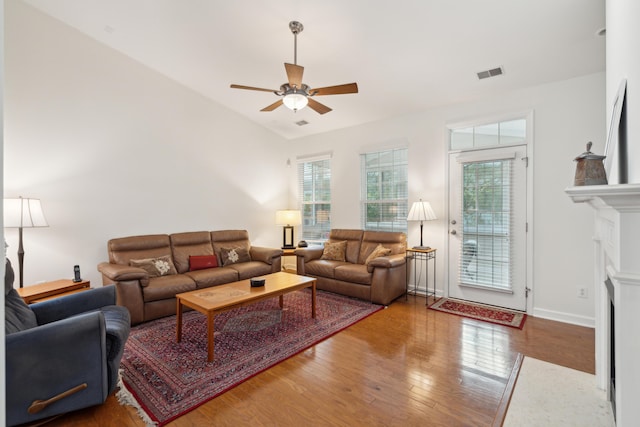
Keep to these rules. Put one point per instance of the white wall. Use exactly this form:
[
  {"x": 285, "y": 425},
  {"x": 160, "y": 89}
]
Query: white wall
[
  {"x": 567, "y": 114},
  {"x": 113, "y": 149},
  {"x": 623, "y": 61}
]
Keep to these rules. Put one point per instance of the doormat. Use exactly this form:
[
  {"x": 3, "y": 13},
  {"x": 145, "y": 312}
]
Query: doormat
[
  {"x": 486, "y": 313},
  {"x": 164, "y": 379}
]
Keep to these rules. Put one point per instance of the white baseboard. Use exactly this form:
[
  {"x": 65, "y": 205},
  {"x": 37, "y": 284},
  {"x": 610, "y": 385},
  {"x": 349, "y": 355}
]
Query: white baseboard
[{"x": 589, "y": 322}]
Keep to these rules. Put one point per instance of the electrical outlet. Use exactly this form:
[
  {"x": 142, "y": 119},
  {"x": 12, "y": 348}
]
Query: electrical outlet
[{"x": 582, "y": 292}]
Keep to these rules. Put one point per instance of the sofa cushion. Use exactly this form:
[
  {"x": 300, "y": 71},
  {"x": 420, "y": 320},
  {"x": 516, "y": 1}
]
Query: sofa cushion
[
  {"x": 354, "y": 240},
  {"x": 334, "y": 251},
  {"x": 165, "y": 287},
  {"x": 124, "y": 249},
  {"x": 322, "y": 267},
  {"x": 200, "y": 262},
  {"x": 213, "y": 276},
  {"x": 156, "y": 267},
  {"x": 229, "y": 239},
  {"x": 234, "y": 255},
  {"x": 184, "y": 245},
  {"x": 17, "y": 314},
  {"x": 354, "y": 273},
  {"x": 396, "y": 241},
  {"x": 377, "y": 252},
  {"x": 247, "y": 270}
]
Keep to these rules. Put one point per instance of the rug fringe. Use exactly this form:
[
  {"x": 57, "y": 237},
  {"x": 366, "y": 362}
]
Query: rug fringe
[{"x": 125, "y": 398}]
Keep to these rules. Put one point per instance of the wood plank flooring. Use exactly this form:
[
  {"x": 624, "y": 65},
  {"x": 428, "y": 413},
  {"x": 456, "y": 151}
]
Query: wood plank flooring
[{"x": 405, "y": 365}]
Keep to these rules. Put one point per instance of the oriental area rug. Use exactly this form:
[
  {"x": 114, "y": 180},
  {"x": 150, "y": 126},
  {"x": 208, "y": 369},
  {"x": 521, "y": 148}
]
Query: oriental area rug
[
  {"x": 164, "y": 379},
  {"x": 486, "y": 313}
]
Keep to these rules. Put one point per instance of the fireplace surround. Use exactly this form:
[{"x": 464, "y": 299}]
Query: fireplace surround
[{"x": 617, "y": 261}]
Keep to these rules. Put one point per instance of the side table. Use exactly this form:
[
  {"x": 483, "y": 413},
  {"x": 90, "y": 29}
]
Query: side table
[
  {"x": 421, "y": 255},
  {"x": 50, "y": 290},
  {"x": 289, "y": 253}
]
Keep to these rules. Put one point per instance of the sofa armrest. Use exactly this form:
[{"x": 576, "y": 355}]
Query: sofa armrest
[
  {"x": 121, "y": 273},
  {"x": 388, "y": 261},
  {"x": 71, "y": 305},
  {"x": 266, "y": 255},
  {"x": 45, "y": 361},
  {"x": 309, "y": 254}
]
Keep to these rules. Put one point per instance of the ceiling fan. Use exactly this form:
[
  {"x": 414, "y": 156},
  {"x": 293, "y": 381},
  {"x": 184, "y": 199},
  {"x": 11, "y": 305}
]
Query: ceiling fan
[{"x": 295, "y": 94}]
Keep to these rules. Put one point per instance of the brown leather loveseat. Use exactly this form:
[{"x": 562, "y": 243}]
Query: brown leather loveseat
[
  {"x": 354, "y": 271},
  {"x": 150, "y": 270}
]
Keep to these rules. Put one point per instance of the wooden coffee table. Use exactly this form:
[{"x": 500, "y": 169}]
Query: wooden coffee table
[{"x": 214, "y": 300}]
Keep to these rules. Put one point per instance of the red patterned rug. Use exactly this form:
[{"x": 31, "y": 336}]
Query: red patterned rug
[
  {"x": 500, "y": 316},
  {"x": 168, "y": 379}
]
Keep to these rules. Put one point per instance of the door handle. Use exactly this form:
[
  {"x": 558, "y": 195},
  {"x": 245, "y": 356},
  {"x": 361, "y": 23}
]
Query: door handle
[{"x": 453, "y": 232}]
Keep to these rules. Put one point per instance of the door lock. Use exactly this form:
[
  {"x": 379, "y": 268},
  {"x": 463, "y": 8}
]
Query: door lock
[{"x": 453, "y": 221}]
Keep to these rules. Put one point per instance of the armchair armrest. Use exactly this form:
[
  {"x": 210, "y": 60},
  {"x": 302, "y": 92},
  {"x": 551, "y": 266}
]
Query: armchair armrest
[
  {"x": 121, "y": 273},
  {"x": 266, "y": 255},
  {"x": 388, "y": 261},
  {"x": 70, "y": 305},
  {"x": 48, "y": 360}
]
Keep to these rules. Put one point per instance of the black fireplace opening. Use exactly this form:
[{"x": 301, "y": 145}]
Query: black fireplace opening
[{"x": 612, "y": 346}]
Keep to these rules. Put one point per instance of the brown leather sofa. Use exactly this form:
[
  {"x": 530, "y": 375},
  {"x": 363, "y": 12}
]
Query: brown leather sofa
[
  {"x": 381, "y": 281},
  {"x": 149, "y": 297}
]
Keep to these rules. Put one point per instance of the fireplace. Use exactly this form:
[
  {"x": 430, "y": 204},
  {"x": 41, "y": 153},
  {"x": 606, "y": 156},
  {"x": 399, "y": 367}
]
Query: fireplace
[{"x": 617, "y": 293}]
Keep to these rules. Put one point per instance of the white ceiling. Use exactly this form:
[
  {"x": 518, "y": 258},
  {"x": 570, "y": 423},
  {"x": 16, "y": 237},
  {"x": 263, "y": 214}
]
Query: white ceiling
[{"x": 405, "y": 55}]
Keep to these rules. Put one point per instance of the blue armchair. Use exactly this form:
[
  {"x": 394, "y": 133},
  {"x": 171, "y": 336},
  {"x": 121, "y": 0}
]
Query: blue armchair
[{"x": 62, "y": 354}]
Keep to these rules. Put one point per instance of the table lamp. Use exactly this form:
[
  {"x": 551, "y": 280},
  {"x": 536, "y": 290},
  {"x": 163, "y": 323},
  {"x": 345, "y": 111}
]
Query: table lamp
[
  {"x": 288, "y": 218},
  {"x": 23, "y": 213},
  {"x": 421, "y": 211}
]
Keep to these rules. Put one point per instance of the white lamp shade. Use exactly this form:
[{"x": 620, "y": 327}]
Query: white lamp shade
[
  {"x": 421, "y": 211},
  {"x": 25, "y": 213},
  {"x": 288, "y": 217},
  {"x": 295, "y": 101}
]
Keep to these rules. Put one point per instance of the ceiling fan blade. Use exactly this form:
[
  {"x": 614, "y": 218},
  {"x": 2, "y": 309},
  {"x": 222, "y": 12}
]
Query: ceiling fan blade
[
  {"x": 317, "y": 107},
  {"x": 294, "y": 74},
  {"x": 335, "y": 90},
  {"x": 252, "y": 88},
  {"x": 273, "y": 106}
]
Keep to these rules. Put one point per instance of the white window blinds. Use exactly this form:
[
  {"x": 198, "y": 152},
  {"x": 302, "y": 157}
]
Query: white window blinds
[
  {"x": 487, "y": 213},
  {"x": 384, "y": 192},
  {"x": 314, "y": 184}
]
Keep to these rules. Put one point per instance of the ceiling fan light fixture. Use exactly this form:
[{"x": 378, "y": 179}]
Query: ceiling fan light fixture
[{"x": 295, "y": 101}]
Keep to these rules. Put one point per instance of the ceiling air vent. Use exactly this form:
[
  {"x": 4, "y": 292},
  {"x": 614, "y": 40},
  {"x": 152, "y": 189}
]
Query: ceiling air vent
[
  {"x": 490, "y": 73},
  {"x": 302, "y": 123}
]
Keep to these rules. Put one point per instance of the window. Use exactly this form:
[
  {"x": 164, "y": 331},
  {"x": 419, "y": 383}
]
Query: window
[
  {"x": 508, "y": 132},
  {"x": 384, "y": 190},
  {"x": 314, "y": 179}
]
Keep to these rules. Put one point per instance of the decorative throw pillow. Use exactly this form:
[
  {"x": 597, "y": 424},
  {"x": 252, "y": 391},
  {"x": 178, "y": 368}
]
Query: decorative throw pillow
[
  {"x": 161, "y": 266},
  {"x": 200, "y": 262},
  {"x": 334, "y": 251},
  {"x": 234, "y": 255},
  {"x": 377, "y": 252}
]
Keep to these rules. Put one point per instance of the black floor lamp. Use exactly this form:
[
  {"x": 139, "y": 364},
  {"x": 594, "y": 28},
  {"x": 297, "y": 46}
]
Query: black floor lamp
[{"x": 23, "y": 213}]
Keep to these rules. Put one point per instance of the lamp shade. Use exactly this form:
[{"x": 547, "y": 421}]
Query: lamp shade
[
  {"x": 288, "y": 217},
  {"x": 23, "y": 213},
  {"x": 421, "y": 211},
  {"x": 295, "y": 101}
]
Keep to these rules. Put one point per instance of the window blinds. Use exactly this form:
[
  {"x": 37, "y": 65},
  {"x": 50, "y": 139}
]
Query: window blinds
[
  {"x": 487, "y": 212},
  {"x": 314, "y": 189},
  {"x": 384, "y": 190}
]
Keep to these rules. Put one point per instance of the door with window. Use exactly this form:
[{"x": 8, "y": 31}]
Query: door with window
[{"x": 488, "y": 226}]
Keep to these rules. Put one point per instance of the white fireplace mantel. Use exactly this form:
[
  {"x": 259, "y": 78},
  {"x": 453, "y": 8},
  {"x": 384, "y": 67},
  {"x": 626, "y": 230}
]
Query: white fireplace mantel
[{"x": 617, "y": 257}]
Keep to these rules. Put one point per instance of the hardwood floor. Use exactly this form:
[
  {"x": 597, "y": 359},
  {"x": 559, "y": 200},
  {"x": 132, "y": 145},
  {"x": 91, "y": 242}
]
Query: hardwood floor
[{"x": 405, "y": 365}]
